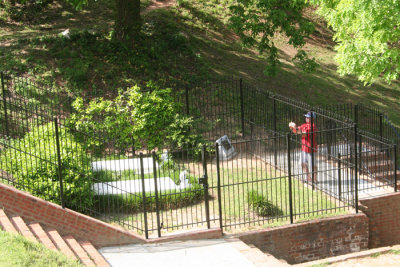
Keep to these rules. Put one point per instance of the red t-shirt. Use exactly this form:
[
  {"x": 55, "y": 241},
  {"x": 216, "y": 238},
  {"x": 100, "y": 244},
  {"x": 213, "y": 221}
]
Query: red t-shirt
[{"x": 306, "y": 137}]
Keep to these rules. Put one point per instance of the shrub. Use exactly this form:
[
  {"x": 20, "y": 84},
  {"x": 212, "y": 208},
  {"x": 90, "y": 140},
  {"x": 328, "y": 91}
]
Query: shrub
[
  {"x": 143, "y": 119},
  {"x": 168, "y": 200},
  {"x": 32, "y": 161},
  {"x": 262, "y": 206}
]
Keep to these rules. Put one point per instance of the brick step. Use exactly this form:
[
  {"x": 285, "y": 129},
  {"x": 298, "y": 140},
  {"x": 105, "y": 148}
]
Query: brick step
[
  {"x": 42, "y": 236},
  {"x": 6, "y": 223},
  {"x": 79, "y": 251},
  {"x": 21, "y": 226},
  {"x": 94, "y": 254},
  {"x": 60, "y": 243}
]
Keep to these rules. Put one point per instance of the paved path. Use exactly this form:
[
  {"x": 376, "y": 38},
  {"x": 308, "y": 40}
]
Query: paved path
[
  {"x": 328, "y": 176},
  {"x": 194, "y": 253}
]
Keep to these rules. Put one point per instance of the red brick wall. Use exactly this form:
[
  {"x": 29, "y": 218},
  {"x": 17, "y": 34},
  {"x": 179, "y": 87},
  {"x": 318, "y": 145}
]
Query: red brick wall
[
  {"x": 313, "y": 240},
  {"x": 64, "y": 220},
  {"x": 384, "y": 219},
  {"x": 81, "y": 226}
]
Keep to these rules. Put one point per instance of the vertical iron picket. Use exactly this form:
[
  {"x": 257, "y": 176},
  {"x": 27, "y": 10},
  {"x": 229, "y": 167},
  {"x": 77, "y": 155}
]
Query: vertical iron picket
[
  {"x": 146, "y": 227},
  {"x": 219, "y": 188},
  {"x": 156, "y": 194},
  {"x": 59, "y": 165},
  {"x": 355, "y": 168},
  {"x": 290, "y": 179},
  {"x": 205, "y": 185},
  {"x": 339, "y": 177},
  {"x": 241, "y": 105},
  {"x": 4, "y": 104}
]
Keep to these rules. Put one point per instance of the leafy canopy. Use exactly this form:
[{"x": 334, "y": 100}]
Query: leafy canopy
[
  {"x": 367, "y": 33},
  {"x": 368, "y": 36},
  {"x": 257, "y": 22}
]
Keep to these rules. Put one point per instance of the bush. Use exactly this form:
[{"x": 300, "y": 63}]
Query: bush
[
  {"x": 142, "y": 119},
  {"x": 168, "y": 200},
  {"x": 262, "y": 206},
  {"x": 32, "y": 161}
]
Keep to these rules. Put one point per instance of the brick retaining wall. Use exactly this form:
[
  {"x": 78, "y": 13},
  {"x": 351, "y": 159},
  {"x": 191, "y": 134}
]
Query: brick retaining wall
[
  {"x": 384, "y": 219},
  {"x": 64, "y": 220},
  {"x": 313, "y": 240}
]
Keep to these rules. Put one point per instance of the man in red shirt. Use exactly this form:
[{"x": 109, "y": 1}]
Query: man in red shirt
[{"x": 306, "y": 144}]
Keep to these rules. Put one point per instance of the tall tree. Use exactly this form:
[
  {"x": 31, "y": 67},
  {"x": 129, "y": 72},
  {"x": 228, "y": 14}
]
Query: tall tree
[
  {"x": 257, "y": 22},
  {"x": 127, "y": 22},
  {"x": 367, "y": 32},
  {"x": 368, "y": 36}
]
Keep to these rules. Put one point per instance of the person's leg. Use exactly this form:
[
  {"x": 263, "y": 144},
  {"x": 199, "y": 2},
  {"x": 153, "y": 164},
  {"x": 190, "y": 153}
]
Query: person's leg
[
  {"x": 304, "y": 164},
  {"x": 312, "y": 170}
]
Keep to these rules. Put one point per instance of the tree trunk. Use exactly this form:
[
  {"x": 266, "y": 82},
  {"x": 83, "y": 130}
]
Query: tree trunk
[{"x": 128, "y": 22}]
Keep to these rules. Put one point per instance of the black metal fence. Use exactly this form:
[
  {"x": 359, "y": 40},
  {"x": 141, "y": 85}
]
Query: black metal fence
[{"x": 256, "y": 179}]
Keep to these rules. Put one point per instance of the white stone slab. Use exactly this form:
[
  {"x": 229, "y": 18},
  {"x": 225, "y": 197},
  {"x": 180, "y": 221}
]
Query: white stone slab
[
  {"x": 124, "y": 164},
  {"x": 135, "y": 186}
]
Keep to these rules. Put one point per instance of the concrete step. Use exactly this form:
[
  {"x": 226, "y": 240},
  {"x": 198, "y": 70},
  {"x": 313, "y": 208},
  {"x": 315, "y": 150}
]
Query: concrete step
[
  {"x": 94, "y": 254},
  {"x": 6, "y": 223},
  {"x": 79, "y": 251},
  {"x": 60, "y": 243},
  {"x": 21, "y": 226},
  {"x": 42, "y": 236}
]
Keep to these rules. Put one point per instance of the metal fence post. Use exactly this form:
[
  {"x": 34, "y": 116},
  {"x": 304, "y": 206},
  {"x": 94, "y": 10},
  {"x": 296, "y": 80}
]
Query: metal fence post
[
  {"x": 355, "y": 168},
  {"x": 4, "y": 104},
  {"x": 219, "y": 188},
  {"x": 205, "y": 185},
  {"x": 146, "y": 227},
  {"x": 339, "y": 177},
  {"x": 312, "y": 151},
  {"x": 274, "y": 127},
  {"x": 290, "y": 178},
  {"x": 156, "y": 194},
  {"x": 395, "y": 167},
  {"x": 59, "y": 167},
  {"x": 241, "y": 104}
]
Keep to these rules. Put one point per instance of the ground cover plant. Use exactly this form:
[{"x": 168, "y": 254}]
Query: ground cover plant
[
  {"x": 32, "y": 162},
  {"x": 193, "y": 43},
  {"x": 16, "y": 250}
]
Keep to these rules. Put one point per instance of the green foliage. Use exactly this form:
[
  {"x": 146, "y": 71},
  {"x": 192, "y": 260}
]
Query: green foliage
[
  {"x": 36, "y": 170},
  {"x": 16, "y": 250},
  {"x": 261, "y": 205},
  {"x": 168, "y": 200},
  {"x": 145, "y": 119},
  {"x": 24, "y": 10},
  {"x": 368, "y": 35},
  {"x": 258, "y": 21},
  {"x": 172, "y": 199}
]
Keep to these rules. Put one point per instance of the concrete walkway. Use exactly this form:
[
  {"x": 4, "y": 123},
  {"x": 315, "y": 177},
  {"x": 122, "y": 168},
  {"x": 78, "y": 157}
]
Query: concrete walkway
[{"x": 194, "y": 253}]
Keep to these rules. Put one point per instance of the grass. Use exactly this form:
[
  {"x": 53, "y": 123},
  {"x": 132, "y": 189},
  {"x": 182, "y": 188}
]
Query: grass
[
  {"x": 16, "y": 250},
  {"x": 238, "y": 177},
  {"x": 193, "y": 44}
]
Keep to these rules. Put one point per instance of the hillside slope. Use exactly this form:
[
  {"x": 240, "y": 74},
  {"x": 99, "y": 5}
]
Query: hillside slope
[{"x": 181, "y": 43}]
